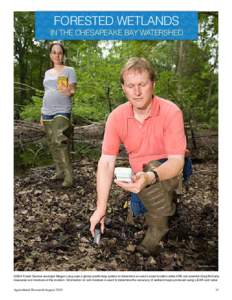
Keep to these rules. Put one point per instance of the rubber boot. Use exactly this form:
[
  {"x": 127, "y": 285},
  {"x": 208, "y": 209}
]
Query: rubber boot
[
  {"x": 157, "y": 228},
  {"x": 61, "y": 141},
  {"x": 158, "y": 200},
  {"x": 67, "y": 169},
  {"x": 59, "y": 170},
  {"x": 52, "y": 148}
]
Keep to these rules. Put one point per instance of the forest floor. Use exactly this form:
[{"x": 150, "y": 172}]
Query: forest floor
[{"x": 51, "y": 228}]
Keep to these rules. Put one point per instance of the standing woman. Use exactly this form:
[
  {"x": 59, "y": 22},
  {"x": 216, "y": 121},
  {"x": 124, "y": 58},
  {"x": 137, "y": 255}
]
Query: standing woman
[{"x": 59, "y": 84}]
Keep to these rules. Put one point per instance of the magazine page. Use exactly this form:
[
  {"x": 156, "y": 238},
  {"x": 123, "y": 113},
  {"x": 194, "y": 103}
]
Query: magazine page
[{"x": 112, "y": 147}]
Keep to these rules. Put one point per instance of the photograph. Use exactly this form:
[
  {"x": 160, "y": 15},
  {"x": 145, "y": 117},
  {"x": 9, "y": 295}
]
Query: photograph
[{"x": 115, "y": 151}]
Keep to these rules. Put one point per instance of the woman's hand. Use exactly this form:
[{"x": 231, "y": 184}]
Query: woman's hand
[{"x": 67, "y": 90}]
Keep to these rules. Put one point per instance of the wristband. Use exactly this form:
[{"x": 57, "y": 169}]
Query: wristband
[{"x": 157, "y": 179}]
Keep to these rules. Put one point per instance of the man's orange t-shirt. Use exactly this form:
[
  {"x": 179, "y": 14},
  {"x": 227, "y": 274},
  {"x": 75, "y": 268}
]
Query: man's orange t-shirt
[{"x": 160, "y": 135}]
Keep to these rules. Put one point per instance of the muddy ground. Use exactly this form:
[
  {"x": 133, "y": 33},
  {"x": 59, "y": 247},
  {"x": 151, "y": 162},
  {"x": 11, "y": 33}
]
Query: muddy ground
[{"x": 52, "y": 226}]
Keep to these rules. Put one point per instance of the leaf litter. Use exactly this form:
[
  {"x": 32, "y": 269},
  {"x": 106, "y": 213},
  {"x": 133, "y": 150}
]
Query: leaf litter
[{"x": 51, "y": 228}]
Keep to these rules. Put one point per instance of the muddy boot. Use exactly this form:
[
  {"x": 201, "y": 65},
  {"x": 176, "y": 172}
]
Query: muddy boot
[
  {"x": 158, "y": 200},
  {"x": 66, "y": 166},
  {"x": 58, "y": 163},
  {"x": 59, "y": 172},
  {"x": 48, "y": 126},
  {"x": 157, "y": 228},
  {"x": 61, "y": 141},
  {"x": 59, "y": 131}
]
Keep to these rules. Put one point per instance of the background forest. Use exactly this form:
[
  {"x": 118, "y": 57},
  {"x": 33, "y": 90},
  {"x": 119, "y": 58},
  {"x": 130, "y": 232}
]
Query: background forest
[{"x": 187, "y": 72}]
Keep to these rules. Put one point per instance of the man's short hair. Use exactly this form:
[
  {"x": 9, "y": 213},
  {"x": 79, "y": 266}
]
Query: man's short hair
[{"x": 139, "y": 64}]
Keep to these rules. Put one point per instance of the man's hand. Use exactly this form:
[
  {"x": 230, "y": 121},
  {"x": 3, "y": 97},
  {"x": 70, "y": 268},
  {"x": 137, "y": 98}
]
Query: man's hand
[
  {"x": 97, "y": 217},
  {"x": 139, "y": 182}
]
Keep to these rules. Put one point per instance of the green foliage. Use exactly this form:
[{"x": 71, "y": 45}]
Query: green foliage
[
  {"x": 166, "y": 85},
  {"x": 92, "y": 113},
  {"x": 32, "y": 111},
  {"x": 83, "y": 150},
  {"x": 31, "y": 155}
]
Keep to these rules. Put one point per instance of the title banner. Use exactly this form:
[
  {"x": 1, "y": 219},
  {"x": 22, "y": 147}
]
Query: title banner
[{"x": 116, "y": 25}]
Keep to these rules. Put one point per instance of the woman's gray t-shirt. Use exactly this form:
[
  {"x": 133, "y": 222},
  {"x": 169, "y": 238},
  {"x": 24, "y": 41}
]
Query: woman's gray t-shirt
[{"x": 54, "y": 101}]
